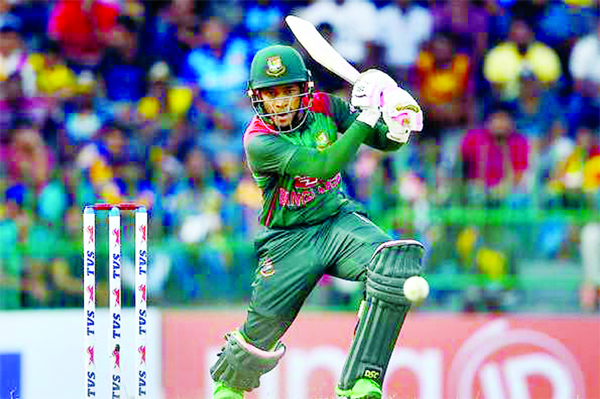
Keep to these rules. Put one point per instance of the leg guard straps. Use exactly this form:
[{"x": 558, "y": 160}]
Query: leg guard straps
[{"x": 386, "y": 289}]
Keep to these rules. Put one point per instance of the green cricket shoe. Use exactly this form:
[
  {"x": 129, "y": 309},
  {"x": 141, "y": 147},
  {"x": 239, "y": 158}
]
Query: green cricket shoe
[
  {"x": 364, "y": 388},
  {"x": 222, "y": 391}
]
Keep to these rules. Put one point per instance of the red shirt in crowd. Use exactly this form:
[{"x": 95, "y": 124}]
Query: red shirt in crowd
[
  {"x": 79, "y": 27},
  {"x": 489, "y": 159}
]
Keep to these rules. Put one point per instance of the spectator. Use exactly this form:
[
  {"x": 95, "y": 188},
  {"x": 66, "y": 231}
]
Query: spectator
[
  {"x": 82, "y": 27},
  {"x": 495, "y": 158},
  {"x": 219, "y": 69},
  {"x": 17, "y": 77},
  {"x": 263, "y": 21},
  {"x": 54, "y": 77},
  {"x": 584, "y": 65},
  {"x": 33, "y": 165},
  {"x": 32, "y": 172},
  {"x": 40, "y": 252},
  {"x": 499, "y": 19},
  {"x": 354, "y": 23},
  {"x": 504, "y": 62},
  {"x": 134, "y": 9},
  {"x": 83, "y": 118},
  {"x": 490, "y": 252},
  {"x": 194, "y": 190},
  {"x": 152, "y": 128},
  {"x": 30, "y": 160},
  {"x": 177, "y": 151},
  {"x": 570, "y": 176},
  {"x": 123, "y": 69},
  {"x": 103, "y": 159},
  {"x": 591, "y": 181},
  {"x": 165, "y": 104},
  {"x": 193, "y": 209},
  {"x": 404, "y": 26},
  {"x": 443, "y": 80},
  {"x": 554, "y": 151},
  {"x": 229, "y": 169},
  {"x": 535, "y": 109},
  {"x": 469, "y": 24},
  {"x": 34, "y": 16},
  {"x": 171, "y": 31},
  {"x": 5, "y": 7},
  {"x": 529, "y": 10},
  {"x": 562, "y": 23}
]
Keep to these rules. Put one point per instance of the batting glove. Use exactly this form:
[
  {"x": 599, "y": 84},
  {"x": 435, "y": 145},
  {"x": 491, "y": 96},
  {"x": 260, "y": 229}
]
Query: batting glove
[
  {"x": 401, "y": 113},
  {"x": 367, "y": 94}
]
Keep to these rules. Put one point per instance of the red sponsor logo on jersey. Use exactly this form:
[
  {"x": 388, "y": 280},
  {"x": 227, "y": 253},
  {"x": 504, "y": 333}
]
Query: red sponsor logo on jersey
[
  {"x": 295, "y": 199},
  {"x": 305, "y": 182}
]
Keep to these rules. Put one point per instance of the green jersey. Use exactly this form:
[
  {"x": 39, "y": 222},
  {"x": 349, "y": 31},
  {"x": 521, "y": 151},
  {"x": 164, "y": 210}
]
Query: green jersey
[{"x": 294, "y": 199}]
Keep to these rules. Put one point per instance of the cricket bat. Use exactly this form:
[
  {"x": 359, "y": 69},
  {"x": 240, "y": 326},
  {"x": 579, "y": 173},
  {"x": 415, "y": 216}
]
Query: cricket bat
[{"x": 320, "y": 50}]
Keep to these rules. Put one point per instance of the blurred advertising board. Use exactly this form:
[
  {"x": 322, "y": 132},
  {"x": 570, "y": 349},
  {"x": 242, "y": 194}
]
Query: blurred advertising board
[
  {"x": 438, "y": 356},
  {"x": 42, "y": 354}
]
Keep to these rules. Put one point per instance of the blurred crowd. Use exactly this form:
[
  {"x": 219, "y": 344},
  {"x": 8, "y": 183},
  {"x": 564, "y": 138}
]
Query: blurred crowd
[{"x": 145, "y": 101}]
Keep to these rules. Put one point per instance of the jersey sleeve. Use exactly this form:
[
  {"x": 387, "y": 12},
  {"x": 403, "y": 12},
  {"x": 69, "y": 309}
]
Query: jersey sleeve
[
  {"x": 269, "y": 153},
  {"x": 344, "y": 117}
]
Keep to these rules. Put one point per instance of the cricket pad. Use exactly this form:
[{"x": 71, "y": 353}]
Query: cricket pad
[{"x": 382, "y": 313}]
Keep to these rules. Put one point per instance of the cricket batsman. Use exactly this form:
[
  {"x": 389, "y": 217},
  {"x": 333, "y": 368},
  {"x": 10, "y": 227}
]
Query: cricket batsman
[{"x": 296, "y": 146}]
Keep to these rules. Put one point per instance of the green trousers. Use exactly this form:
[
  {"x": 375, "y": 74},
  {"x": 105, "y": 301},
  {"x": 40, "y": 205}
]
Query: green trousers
[{"x": 291, "y": 262}]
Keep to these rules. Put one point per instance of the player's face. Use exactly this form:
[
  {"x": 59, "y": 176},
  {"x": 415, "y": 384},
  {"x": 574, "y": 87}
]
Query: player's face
[{"x": 283, "y": 101}]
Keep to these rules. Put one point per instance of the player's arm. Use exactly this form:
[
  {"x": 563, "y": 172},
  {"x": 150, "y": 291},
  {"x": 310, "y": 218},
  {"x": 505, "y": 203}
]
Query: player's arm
[
  {"x": 323, "y": 164},
  {"x": 269, "y": 153},
  {"x": 345, "y": 117},
  {"x": 366, "y": 95}
]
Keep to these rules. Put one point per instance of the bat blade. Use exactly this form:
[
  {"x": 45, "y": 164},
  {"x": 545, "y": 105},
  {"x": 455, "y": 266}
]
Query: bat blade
[{"x": 320, "y": 50}]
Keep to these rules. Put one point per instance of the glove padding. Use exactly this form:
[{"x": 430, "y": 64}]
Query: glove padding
[
  {"x": 367, "y": 94},
  {"x": 368, "y": 88},
  {"x": 401, "y": 113}
]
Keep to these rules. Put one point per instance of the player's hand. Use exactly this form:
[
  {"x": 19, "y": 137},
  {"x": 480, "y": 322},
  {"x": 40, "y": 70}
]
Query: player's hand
[
  {"x": 367, "y": 94},
  {"x": 368, "y": 88},
  {"x": 401, "y": 113}
]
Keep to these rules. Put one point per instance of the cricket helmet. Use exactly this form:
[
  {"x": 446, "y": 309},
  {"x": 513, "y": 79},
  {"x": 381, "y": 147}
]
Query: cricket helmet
[{"x": 279, "y": 65}]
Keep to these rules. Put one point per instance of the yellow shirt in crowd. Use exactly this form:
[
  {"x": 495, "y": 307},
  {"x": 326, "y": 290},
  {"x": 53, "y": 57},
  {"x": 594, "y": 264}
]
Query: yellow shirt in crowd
[{"x": 503, "y": 65}]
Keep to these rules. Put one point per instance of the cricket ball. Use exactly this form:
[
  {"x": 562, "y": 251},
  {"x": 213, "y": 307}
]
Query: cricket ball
[{"x": 416, "y": 289}]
